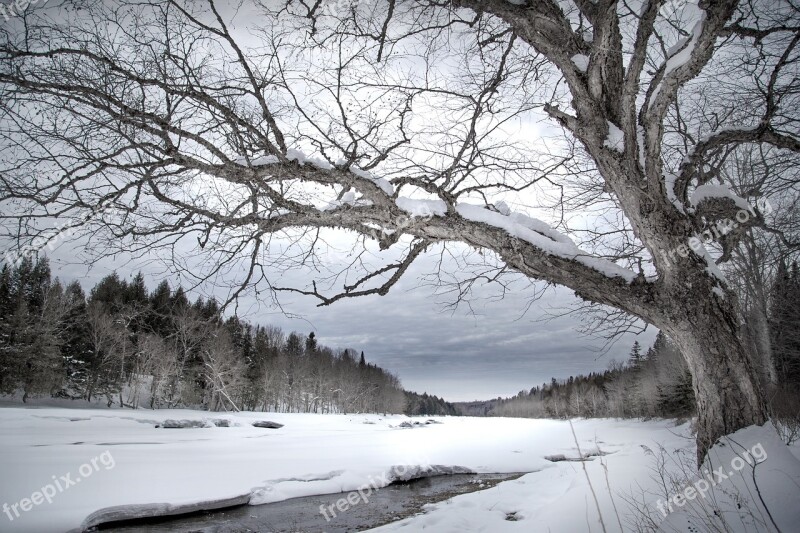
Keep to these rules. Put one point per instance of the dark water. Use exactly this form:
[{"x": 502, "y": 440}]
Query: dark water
[{"x": 389, "y": 504}]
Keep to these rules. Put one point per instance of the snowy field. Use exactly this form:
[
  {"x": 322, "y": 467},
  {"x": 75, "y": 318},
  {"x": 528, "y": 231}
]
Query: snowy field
[{"x": 123, "y": 459}]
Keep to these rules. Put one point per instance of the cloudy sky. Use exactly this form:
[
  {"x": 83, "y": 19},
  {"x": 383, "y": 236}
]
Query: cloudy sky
[{"x": 488, "y": 349}]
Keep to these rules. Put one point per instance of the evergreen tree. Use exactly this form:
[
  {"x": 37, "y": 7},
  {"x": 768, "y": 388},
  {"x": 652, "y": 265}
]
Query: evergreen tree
[
  {"x": 785, "y": 324},
  {"x": 7, "y": 309},
  {"x": 311, "y": 343},
  {"x": 635, "y": 359},
  {"x": 294, "y": 345},
  {"x": 76, "y": 350},
  {"x": 158, "y": 315},
  {"x": 137, "y": 292},
  {"x": 110, "y": 291}
]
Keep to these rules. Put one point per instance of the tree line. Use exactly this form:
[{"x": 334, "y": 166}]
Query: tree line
[
  {"x": 427, "y": 405},
  {"x": 657, "y": 383},
  {"x": 784, "y": 337},
  {"x": 123, "y": 344}
]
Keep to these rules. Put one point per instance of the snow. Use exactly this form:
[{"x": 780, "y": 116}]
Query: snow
[
  {"x": 299, "y": 156},
  {"x": 348, "y": 198},
  {"x": 541, "y": 235},
  {"x": 770, "y": 472},
  {"x": 705, "y": 138},
  {"x": 502, "y": 208},
  {"x": 258, "y": 161},
  {"x": 521, "y": 226},
  {"x": 669, "y": 182},
  {"x": 291, "y": 154},
  {"x": 421, "y": 208},
  {"x": 680, "y": 54},
  {"x": 380, "y": 182},
  {"x": 564, "y": 500},
  {"x": 615, "y": 139},
  {"x": 162, "y": 469},
  {"x": 302, "y": 158},
  {"x": 712, "y": 190},
  {"x": 581, "y": 62},
  {"x": 642, "y": 148},
  {"x": 712, "y": 268}
]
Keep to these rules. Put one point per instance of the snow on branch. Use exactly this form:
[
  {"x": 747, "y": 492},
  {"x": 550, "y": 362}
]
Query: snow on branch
[
  {"x": 680, "y": 54},
  {"x": 670, "y": 180},
  {"x": 298, "y": 156},
  {"x": 711, "y": 191},
  {"x": 544, "y": 237},
  {"x": 380, "y": 182},
  {"x": 417, "y": 208},
  {"x": 615, "y": 139},
  {"x": 581, "y": 62}
]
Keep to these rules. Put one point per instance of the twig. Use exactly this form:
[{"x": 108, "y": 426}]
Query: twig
[{"x": 586, "y": 473}]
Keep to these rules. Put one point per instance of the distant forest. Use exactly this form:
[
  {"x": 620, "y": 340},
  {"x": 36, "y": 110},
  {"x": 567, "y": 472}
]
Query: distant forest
[
  {"x": 657, "y": 382},
  {"x": 124, "y": 345}
]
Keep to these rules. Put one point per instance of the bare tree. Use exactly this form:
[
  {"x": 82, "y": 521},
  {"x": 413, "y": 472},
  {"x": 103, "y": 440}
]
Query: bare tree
[
  {"x": 156, "y": 126},
  {"x": 224, "y": 373},
  {"x": 156, "y": 363},
  {"x": 190, "y": 331},
  {"x": 755, "y": 261},
  {"x": 41, "y": 353},
  {"x": 105, "y": 342}
]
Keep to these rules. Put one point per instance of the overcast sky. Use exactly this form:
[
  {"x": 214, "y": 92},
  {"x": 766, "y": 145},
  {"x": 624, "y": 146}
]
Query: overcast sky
[{"x": 494, "y": 349}]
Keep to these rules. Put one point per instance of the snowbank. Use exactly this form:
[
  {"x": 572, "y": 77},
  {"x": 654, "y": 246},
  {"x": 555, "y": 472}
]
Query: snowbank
[{"x": 157, "y": 470}]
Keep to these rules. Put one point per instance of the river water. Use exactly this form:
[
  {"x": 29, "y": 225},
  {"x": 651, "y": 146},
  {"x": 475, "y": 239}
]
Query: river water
[{"x": 389, "y": 504}]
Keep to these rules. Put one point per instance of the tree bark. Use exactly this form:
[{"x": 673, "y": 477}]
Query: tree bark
[{"x": 727, "y": 390}]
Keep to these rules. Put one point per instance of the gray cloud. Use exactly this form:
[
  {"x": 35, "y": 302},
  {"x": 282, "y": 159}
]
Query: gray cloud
[{"x": 495, "y": 350}]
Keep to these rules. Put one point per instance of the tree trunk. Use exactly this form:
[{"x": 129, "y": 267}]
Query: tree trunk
[
  {"x": 727, "y": 390},
  {"x": 758, "y": 333}
]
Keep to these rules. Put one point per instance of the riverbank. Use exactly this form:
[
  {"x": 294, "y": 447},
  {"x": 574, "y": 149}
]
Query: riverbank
[{"x": 141, "y": 463}]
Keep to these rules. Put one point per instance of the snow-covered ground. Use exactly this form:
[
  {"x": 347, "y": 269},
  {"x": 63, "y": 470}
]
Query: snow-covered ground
[{"x": 123, "y": 459}]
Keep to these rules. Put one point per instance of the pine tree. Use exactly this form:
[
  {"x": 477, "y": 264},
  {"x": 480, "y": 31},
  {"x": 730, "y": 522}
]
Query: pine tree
[
  {"x": 311, "y": 343},
  {"x": 53, "y": 340},
  {"x": 137, "y": 291},
  {"x": 294, "y": 346},
  {"x": 76, "y": 350},
  {"x": 110, "y": 291},
  {"x": 6, "y": 334},
  {"x": 635, "y": 359},
  {"x": 158, "y": 320},
  {"x": 785, "y": 323}
]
